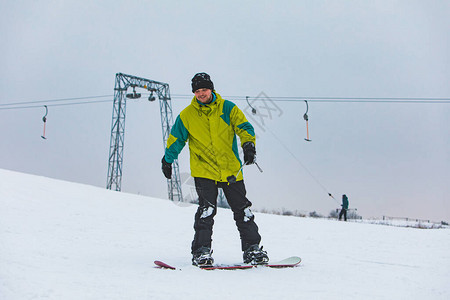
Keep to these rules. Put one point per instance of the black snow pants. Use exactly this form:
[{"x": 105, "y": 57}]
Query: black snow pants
[
  {"x": 343, "y": 213},
  {"x": 207, "y": 191}
]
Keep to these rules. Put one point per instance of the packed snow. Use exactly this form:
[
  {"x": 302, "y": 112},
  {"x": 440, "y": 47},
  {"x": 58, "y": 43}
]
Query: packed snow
[{"x": 62, "y": 240}]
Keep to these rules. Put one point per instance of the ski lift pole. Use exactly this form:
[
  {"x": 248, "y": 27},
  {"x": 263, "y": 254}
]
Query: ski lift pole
[
  {"x": 232, "y": 178},
  {"x": 307, "y": 132},
  {"x": 259, "y": 168},
  {"x": 329, "y": 194},
  {"x": 44, "y": 119},
  {"x": 253, "y": 109},
  {"x": 305, "y": 117}
]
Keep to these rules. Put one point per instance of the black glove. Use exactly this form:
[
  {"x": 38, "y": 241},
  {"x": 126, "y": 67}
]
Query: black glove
[
  {"x": 166, "y": 168},
  {"x": 249, "y": 153}
]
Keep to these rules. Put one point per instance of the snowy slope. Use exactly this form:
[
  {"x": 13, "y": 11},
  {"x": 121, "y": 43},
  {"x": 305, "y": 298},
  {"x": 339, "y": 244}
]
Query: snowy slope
[{"x": 61, "y": 240}]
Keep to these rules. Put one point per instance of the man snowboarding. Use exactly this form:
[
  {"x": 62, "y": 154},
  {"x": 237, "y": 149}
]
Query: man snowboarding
[
  {"x": 344, "y": 207},
  {"x": 210, "y": 125}
]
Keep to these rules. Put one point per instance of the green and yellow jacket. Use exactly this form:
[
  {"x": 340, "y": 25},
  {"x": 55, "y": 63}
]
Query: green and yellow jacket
[{"x": 211, "y": 132}]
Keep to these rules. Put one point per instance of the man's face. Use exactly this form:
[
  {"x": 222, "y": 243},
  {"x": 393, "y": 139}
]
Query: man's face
[{"x": 203, "y": 95}]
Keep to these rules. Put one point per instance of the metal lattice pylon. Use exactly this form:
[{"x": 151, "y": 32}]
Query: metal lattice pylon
[{"x": 123, "y": 82}]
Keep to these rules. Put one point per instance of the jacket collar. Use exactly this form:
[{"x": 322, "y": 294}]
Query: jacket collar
[
  {"x": 205, "y": 104},
  {"x": 216, "y": 100}
]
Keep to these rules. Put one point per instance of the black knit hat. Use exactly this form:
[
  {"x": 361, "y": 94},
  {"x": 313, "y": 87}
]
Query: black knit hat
[{"x": 202, "y": 81}]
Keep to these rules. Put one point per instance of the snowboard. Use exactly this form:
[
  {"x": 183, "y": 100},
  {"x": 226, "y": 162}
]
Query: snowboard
[{"x": 285, "y": 263}]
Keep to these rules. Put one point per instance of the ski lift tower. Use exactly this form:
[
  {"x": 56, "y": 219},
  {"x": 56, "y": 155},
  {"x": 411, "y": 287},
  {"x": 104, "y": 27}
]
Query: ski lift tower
[{"x": 123, "y": 82}]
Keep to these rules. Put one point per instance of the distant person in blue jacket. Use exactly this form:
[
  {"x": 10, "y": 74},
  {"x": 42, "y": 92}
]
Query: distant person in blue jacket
[{"x": 344, "y": 207}]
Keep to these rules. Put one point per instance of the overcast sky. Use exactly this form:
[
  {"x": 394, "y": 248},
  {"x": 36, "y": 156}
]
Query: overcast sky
[{"x": 389, "y": 158}]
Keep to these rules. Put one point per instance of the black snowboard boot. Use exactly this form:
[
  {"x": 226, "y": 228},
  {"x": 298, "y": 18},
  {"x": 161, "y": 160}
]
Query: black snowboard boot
[
  {"x": 255, "y": 255},
  {"x": 202, "y": 257}
]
